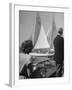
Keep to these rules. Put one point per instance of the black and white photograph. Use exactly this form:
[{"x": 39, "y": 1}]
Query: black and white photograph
[{"x": 41, "y": 44}]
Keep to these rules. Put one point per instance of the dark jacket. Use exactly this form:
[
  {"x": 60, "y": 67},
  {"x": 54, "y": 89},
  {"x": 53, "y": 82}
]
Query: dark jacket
[{"x": 59, "y": 49}]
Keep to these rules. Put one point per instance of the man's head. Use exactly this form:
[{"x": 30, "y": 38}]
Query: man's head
[{"x": 60, "y": 31}]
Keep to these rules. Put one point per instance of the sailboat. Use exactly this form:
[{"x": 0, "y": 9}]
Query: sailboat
[{"x": 40, "y": 42}]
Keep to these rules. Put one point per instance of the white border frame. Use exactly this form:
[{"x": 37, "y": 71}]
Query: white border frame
[{"x": 14, "y": 46}]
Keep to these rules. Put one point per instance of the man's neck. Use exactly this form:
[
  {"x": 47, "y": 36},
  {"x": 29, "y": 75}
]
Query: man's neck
[{"x": 60, "y": 35}]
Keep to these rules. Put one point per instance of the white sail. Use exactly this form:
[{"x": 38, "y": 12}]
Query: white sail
[
  {"x": 42, "y": 40},
  {"x": 49, "y": 36},
  {"x": 52, "y": 34}
]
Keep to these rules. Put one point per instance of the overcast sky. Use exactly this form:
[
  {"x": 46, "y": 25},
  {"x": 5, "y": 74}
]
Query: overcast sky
[{"x": 27, "y": 20}]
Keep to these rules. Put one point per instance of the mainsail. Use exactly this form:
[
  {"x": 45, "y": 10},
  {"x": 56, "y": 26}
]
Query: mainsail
[{"x": 39, "y": 37}]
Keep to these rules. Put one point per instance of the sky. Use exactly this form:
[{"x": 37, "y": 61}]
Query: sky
[{"x": 27, "y": 22}]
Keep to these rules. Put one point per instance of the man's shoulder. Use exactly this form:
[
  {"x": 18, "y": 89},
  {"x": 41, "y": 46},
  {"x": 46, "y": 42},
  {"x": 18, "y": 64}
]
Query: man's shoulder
[{"x": 58, "y": 38}]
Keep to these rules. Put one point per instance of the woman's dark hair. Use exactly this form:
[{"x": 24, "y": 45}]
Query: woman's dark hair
[{"x": 27, "y": 46}]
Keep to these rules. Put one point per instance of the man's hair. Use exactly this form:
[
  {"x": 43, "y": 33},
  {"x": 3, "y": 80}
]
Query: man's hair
[{"x": 60, "y": 31}]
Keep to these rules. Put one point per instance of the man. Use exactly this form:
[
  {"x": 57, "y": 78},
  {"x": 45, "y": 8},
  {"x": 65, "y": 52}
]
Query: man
[{"x": 59, "y": 48}]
